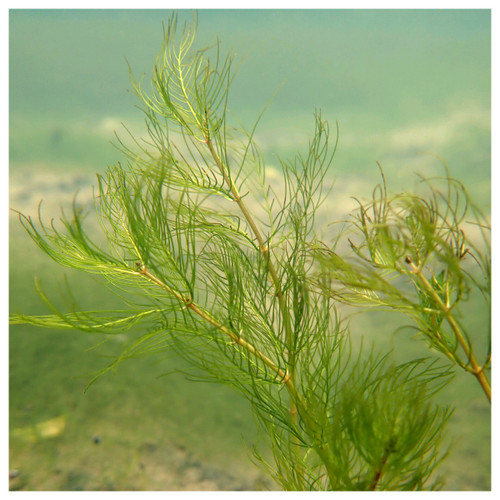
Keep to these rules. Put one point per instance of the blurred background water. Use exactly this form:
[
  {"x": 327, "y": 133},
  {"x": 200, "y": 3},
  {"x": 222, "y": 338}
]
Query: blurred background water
[{"x": 406, "y": 87}]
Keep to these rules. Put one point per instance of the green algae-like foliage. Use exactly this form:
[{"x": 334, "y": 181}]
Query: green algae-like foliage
[{"x": 215, "y": 265}]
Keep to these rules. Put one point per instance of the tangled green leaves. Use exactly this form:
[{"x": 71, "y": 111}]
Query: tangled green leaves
[
  {"x": 422, "y": 255},
  {"x": 216, "y": 266}
]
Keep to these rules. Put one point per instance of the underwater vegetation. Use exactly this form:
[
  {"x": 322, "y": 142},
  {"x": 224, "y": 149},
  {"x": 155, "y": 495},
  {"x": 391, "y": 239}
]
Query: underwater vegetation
[{"x": 214, "y": 263}]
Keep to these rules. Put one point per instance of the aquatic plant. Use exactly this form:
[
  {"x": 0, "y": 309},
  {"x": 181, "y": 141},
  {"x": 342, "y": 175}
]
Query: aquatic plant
[
  {"x": 422, "y": 254},
  {"x": 216, "y": 266}
]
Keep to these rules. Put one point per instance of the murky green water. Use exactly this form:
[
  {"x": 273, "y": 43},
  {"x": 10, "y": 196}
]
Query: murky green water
[
  {"x": 404, "y": 86},
  {"x": 399, "y": 82}
]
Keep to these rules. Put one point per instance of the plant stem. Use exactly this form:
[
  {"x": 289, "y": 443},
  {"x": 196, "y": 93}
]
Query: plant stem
[
  {"x": 477, "y": 370},
  {"x": 281, "y": 374},
  {"x": 378, "y": 474},
  {"x": 263, "y": 248}
]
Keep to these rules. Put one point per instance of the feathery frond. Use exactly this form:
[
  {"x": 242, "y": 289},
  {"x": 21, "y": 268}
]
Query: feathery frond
[{"x": 216, "y": 267}]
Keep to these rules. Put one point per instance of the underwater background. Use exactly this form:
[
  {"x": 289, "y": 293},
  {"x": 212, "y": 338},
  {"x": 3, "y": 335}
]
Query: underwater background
[{"x": 407, "y": 88}]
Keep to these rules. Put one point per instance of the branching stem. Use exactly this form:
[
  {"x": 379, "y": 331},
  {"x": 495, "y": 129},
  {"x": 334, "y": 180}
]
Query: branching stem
[
  {"x": 477, "y": 370},
  {"x": 264, "y": 249},
  {"x": 281, "y": 375}
]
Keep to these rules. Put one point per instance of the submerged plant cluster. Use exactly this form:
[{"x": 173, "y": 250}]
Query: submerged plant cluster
[{"x": 214, "y": 265}]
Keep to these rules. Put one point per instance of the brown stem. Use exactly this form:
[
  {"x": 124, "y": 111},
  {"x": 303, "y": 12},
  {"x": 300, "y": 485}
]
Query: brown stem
[
  {"x": 378, "y": 473},
  {"x": 270, "y": 266},
  {"x": 281, "y": 374},
  {"x": 477, "y": 370}
]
